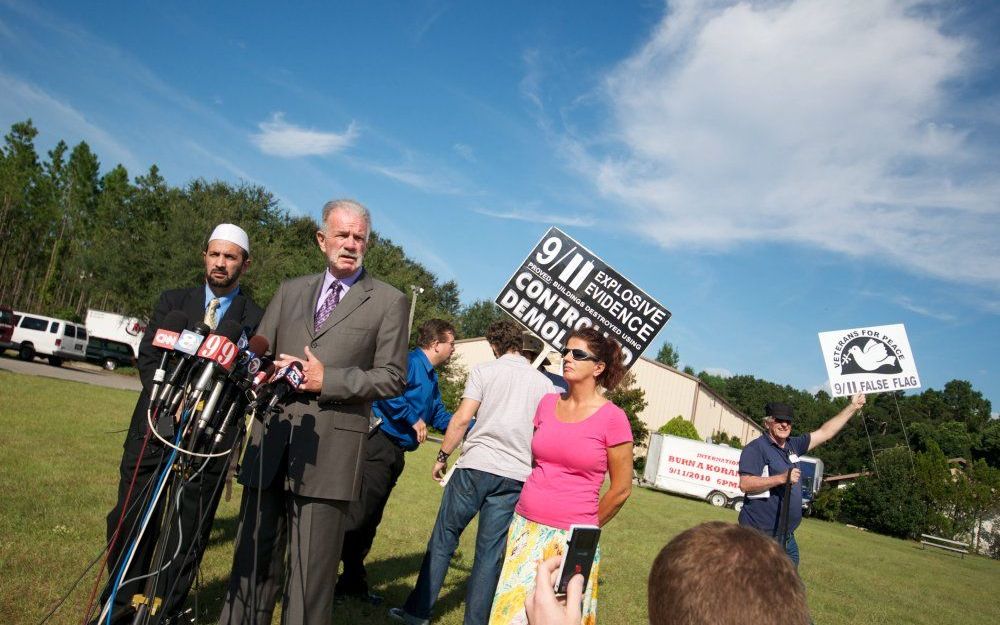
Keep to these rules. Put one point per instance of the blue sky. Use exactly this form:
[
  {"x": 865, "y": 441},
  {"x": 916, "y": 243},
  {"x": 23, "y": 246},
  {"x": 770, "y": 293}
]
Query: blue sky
[{"x": 767, "y": 170}]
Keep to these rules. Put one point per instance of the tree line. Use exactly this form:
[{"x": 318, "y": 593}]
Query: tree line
[
  {"x": 929, "y": 463},
  {"x": 73, "y": 237}
]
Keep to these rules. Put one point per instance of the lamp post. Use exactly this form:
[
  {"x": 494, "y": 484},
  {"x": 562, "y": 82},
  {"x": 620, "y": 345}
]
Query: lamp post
[{"x": 416, "y": 290}]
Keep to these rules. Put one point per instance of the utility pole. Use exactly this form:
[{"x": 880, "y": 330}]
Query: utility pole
[{"x": 416, "y": 290}]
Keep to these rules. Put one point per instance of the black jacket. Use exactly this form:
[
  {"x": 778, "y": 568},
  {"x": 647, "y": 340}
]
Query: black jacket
[{"x": 191, "y": 301}]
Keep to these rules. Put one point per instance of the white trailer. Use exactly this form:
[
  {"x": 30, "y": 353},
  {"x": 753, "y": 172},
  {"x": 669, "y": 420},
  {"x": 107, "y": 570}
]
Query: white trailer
[
  {"x": 710, "y": 472},
  {"x": 694, "y": 469},
  {"x": 116, "y": 327}
]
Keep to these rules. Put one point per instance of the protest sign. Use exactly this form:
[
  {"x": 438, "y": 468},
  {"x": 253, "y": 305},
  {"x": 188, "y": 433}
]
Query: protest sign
[
  {"x": 869, "y": 360},
  {"x": 562, "y": 286}
]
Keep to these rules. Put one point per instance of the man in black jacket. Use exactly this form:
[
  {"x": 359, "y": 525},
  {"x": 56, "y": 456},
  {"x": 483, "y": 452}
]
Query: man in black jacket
[{"x": 227, "y": 256}]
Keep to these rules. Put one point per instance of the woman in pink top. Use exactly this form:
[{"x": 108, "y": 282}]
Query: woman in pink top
[{"x": 580, "y": 437}]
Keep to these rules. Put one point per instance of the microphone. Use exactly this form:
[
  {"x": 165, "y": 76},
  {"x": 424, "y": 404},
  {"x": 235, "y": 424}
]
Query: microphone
[
  {"x": 186, "y": 346},
  {"x": 249, "y": 361},
  {"x": 164, "y": 339},
  {"x": 286, "y": 380},
  {"x": 253, "y": 349},
  {"x": 261, "y": 372},
  {"x": 219, "y": 351}
]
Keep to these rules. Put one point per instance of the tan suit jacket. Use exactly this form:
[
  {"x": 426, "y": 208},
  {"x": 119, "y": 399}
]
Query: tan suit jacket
[{"x": 317, "y": 444}]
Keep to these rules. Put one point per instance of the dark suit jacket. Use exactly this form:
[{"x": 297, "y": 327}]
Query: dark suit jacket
[
  {"x": 317, "y": 443},
  {"x": 191, "y": 301}
]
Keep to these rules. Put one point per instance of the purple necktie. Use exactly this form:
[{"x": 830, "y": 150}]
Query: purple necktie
[{"x": 331, "y": 301}]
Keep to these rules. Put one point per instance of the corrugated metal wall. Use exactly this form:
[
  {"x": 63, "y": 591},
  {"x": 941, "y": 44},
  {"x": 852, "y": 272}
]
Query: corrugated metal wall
[{"x": 668, "y": 393}]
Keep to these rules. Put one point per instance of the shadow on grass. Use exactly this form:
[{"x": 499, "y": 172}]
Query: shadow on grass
[
  {"x": 387, "y": 577},
  {"x": 224, "y": 531},
  {"x": 205, "y": 600}
]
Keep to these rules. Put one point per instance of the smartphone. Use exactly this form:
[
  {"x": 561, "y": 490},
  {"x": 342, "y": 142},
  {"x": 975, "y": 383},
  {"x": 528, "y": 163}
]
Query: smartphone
[{"x": 579, "y": 555}]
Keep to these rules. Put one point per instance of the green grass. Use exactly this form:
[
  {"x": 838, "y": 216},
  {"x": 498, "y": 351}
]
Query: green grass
[{"x": 60, "y": 444}]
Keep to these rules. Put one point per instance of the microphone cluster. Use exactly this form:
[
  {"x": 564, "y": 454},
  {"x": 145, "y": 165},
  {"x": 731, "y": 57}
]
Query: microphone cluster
[{"x": 206, "y": 383}]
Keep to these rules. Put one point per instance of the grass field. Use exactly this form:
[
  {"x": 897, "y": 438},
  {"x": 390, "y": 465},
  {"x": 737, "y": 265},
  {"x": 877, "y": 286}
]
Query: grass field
[{"x": 60, "y": 444}]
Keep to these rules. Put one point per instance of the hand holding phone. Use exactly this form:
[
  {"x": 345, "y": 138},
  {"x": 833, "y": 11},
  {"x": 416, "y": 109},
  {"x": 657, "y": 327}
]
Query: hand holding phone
[
  {"x": 579, "y": 556},
  {"x": 542, "y": 607}
]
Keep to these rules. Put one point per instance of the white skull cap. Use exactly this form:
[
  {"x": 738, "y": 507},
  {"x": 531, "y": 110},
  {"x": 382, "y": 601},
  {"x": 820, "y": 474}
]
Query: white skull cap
[{"x": 233, "y": 234}]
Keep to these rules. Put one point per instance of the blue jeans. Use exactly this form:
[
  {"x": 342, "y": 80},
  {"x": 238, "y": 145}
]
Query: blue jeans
[
  {"x": 468, "y": 492},
  {"x": 791, "y": 548}
]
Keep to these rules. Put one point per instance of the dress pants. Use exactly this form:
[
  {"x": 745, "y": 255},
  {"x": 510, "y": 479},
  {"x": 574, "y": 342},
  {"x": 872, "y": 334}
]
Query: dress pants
[
  {"x": 272, "y": 519},
  {"x": 384, "y": 462}
]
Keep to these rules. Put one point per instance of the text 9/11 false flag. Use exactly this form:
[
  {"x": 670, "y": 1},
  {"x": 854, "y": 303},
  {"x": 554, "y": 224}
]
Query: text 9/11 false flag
[{"x": 877, "y": 359}]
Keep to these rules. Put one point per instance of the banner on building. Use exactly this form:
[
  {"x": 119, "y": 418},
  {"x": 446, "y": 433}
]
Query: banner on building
[
  {"x": 869, "y": 360},
  {"x": 562, "y": 286}
]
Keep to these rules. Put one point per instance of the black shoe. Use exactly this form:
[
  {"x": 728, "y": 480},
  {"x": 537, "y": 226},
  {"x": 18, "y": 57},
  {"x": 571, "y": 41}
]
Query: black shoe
[{"x": 369, "y": 597}]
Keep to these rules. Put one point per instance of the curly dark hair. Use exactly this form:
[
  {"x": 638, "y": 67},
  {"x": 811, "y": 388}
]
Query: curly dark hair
[
  {"x": 504, "y": 336},
  {"x": 607, "y": 351}
]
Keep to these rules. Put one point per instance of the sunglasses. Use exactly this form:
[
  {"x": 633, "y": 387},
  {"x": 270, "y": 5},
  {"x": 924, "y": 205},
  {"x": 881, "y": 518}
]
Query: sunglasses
[{"x": 578, "y": 354}]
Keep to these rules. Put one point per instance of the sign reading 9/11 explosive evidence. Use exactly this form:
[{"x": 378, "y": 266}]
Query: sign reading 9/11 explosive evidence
[
  {"x": 562, "y": 286},
  {"x": 869, "y": 360}
]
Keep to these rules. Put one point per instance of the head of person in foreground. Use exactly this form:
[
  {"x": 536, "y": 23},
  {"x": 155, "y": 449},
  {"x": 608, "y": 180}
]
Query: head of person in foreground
[{"x": 719, "y": 574}]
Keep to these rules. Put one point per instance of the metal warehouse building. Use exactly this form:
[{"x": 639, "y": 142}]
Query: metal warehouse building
[{"x": 669, "y": 393}]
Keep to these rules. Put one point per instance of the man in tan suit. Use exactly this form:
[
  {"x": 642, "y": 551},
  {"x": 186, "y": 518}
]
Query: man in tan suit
[{"x": 300, "y": 471}]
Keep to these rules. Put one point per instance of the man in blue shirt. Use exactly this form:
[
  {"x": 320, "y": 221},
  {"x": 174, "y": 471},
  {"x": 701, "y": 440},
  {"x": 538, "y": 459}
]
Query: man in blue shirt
[
  {"x": 403, "y": 427},
  {"x": 764, "y": 471}
]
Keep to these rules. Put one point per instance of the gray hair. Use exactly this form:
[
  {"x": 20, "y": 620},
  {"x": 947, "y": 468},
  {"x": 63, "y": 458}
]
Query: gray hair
[{"x": 349, "y": 206}]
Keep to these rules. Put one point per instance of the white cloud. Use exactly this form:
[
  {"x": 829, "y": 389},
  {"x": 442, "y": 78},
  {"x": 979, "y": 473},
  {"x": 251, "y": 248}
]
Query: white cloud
[
  {"x": 465, "y": 151},
  {"x": 908, "y": 304},
  {"x": 820, "y": 123},
  {"x": 280, "y": 138},
  {"x": 538, "y": 217},
  {"x": 23, "y": 100}
]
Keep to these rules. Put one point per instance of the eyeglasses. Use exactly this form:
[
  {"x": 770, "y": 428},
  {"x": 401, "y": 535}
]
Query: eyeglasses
[
  {"x": 783, "y": 422},
  {"x": 579, "y": 354}
]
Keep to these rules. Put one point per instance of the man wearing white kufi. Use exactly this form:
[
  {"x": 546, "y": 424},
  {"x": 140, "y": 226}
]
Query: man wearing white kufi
[{"x": 226, "y": 256}]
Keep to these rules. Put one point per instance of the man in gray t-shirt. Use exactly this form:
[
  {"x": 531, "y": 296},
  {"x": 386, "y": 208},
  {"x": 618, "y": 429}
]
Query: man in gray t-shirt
[{"x": 495, "y": 462}]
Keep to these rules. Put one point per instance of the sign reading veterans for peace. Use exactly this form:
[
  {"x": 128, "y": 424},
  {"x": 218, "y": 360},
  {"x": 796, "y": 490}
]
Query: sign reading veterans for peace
[
  {"x": 869, "y": 360},
  {"x": 562, "y": 286}
]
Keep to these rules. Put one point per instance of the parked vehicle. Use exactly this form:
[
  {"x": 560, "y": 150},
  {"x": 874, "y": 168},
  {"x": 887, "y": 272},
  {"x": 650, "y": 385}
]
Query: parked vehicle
[
  {"x": 55, "y": 339},
  {"x": 116, "y": 327},
  {"x": 710, "y": 472},
  {"x": 109, "y": 354},
  {"x": 6, "y": 328}
]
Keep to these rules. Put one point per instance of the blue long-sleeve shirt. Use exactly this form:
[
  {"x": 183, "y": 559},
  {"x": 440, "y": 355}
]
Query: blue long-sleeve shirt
[{"x": 420, "y": 400}]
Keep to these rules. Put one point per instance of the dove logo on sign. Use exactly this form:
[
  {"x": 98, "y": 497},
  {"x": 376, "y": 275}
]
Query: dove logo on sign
[
  {"x": 876, "y": 359},
  {"x": 867, "y": 354}
]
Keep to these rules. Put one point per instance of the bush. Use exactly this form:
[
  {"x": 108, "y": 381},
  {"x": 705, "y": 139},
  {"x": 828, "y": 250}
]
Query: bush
[
  {"x": 889, "y": 503},
  {"x": 678, "y": 426},
  {"x": 827, "y": 504},
  {"x": 721, "y": 438}
]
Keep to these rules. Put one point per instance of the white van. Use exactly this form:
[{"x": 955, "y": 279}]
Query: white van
[{"x": 55, "y": 339}]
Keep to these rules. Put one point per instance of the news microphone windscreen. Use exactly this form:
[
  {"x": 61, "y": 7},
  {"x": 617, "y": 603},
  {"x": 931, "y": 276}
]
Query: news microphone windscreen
[
  {"x": 229, "y": 329},
  {"x": 175, "y": 321},
  {"x": 258, "y": 344},
  {"x": 201, "y": 328}
]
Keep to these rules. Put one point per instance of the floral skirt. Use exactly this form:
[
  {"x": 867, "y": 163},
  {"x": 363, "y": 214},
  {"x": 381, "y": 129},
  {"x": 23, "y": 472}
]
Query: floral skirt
[{"x": 527, "y": 543}]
